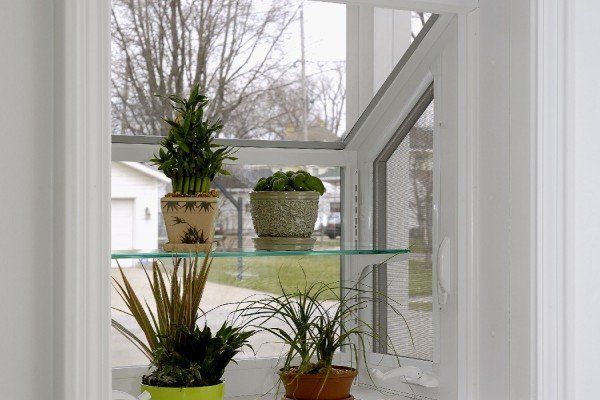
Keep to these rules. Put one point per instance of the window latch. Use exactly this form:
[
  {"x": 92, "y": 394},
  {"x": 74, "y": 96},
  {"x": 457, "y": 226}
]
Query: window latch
[{"x": 409, "y": 374}]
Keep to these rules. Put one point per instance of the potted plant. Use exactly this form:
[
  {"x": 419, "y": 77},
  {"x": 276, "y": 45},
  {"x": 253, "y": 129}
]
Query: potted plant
[
  {"x": 315, "y": 331},
  {"x": 191, "y": 159},
  {"x": 187, "y": 361},
  {"x": 284, "y": 210}
]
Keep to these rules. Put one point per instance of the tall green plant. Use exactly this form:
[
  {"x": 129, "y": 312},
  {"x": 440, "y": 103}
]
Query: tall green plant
[
  {"x": 183, "y": 354},
  {"x": 188, "y": 154}
]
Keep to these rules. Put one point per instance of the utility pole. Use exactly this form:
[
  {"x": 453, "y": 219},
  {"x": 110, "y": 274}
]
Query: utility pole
[{"x": 303, "y": 64}]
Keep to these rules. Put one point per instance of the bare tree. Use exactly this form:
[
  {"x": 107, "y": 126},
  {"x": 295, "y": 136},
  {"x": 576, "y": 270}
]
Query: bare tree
[
  {"x": 280, "y": 108},
  {"x": 230, "y": 47},
  {"x": 328, "y": 96}
]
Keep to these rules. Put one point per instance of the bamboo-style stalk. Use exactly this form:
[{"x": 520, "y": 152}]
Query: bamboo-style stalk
[
  {"x": 198, "y": 185},
  {"x": 205, "y": 184},
  {"x": 192, "y": 188},
  {"x": 179, "y": 182},
  {"x": 186, "y": 185}
]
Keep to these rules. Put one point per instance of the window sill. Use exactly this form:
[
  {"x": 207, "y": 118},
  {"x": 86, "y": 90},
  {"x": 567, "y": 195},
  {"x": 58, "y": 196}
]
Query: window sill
[{"x": 359, "y": 393}]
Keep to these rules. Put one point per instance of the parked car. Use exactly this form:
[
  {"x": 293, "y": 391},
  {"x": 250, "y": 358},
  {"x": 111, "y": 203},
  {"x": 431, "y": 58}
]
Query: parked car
[{"x": 333, "y": 228}]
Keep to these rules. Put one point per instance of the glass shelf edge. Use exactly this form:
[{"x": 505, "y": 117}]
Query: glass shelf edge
[{"x": 143, "y": 254}]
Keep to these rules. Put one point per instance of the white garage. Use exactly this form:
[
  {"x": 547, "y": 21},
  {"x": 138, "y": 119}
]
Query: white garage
[
  {"x": 121, "y": 224},
  {"x": 136, "y": 190}
]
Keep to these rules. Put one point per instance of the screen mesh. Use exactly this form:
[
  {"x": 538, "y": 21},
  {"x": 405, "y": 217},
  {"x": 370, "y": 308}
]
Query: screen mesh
[{"x": 408, "y": 223}]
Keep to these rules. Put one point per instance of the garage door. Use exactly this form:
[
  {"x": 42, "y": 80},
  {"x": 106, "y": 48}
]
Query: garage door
[{"x": 121, "y": 224}]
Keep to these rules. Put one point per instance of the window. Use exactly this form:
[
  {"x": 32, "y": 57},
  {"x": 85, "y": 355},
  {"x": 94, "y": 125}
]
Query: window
[
  {"x": 404, "y": 191},
  {"x": 138, "y": 224},
  {"x": 290, "y": 74},
  {"x": 273, "y": 69}
]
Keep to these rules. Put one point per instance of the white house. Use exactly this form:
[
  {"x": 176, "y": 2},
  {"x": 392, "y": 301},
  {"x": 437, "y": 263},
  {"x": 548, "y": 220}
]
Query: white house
[{"x": 135, "y": 205}]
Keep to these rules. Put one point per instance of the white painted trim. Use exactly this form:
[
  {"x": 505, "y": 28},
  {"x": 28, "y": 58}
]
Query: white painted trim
[
  {"x": 435, "y": 6},
  {"x": 249, "y": 155},
  {"x": 468, "y": 278},
  {"x": 401, "y": 95},
  {"x": 550, "y": 20},
  {"x": 419, "y": 73},
  {"x": 81, "y": 200}
]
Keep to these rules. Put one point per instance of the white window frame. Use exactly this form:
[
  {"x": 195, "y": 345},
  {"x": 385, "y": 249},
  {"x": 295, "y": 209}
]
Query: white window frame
[
  {"x": 82, "y": 206},
  {"x": 378, "y": 127},
  {"x": 426, "y": 99},
  {"x": 426, "y": 48}
]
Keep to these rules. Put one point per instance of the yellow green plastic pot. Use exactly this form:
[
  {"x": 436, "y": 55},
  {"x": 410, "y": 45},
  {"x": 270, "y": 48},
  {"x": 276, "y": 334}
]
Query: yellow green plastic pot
[{"x": 214, "y": 392}]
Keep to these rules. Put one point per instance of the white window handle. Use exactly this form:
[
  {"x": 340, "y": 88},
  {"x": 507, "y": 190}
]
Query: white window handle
[
  {"x": 409, "y": 374},
  {"x": 444, "y": 267}
]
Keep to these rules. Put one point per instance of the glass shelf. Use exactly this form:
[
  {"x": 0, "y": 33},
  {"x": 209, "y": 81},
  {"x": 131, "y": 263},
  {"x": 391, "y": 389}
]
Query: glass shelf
[{"x": 234, "y": 253}]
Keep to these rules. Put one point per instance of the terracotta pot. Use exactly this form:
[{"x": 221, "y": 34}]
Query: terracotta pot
[
  {"x": 189, "y": 220},
  {"x": 336, "y": 386},
  {"x": 284, "y": 214}
]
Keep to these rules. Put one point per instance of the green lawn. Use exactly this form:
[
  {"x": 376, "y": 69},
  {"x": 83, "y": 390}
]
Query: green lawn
[
  {"x": 263, "y": 273},
  {"x": 420, "y": 278}
]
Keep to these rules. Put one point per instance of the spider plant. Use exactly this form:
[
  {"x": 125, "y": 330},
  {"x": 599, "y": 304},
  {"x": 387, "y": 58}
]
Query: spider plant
[
  {"x": 188, "y": 154},
  {"x": 183, "y": 354},
  {"x": 314, "y": 331}
]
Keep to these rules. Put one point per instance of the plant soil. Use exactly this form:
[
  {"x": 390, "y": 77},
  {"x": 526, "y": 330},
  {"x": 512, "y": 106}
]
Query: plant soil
[
  {"x": 334, "y": 371},
  {"x": 212, "y": 193}
]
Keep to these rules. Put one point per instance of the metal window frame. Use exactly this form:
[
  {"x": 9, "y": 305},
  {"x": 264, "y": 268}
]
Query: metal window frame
[{"x": 380, "y": 344}]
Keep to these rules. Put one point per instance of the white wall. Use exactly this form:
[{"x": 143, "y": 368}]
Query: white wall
[
  {"x": 582, "y": 266},
  {"x": 26, "y": 123},
  {"x": 504, "y": 199}
]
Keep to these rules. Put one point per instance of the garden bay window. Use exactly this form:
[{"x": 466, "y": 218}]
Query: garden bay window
[{"x": 298, "y": 85}]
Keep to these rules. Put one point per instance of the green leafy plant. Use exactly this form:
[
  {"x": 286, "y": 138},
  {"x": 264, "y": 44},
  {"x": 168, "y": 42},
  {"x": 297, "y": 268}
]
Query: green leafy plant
[
  {"x": 188, "y": 154},
  {"x": 313, "y": 330},
  {"x": 290, "y": 181},
  {"x": 199, "y": 358},
  {"x": 183, "y": 354}
]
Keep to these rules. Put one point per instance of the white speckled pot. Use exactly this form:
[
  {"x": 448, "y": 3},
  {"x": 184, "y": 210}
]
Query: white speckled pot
[{"x": 284, "y": 214}]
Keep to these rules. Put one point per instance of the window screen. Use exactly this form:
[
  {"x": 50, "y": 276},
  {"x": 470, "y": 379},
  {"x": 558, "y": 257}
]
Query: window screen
[{"x": 404, "y": 218}]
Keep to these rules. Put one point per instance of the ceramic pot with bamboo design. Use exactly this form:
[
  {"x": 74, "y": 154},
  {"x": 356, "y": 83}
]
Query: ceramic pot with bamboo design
[{"x": 190, "y": 222}]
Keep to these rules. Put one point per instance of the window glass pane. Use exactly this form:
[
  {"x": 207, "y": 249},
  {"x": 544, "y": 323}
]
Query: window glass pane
[
  {"x": 273, "y": 69},
  {"x": 409, "y": 223},
  {"x": 137, "y": 224}
]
